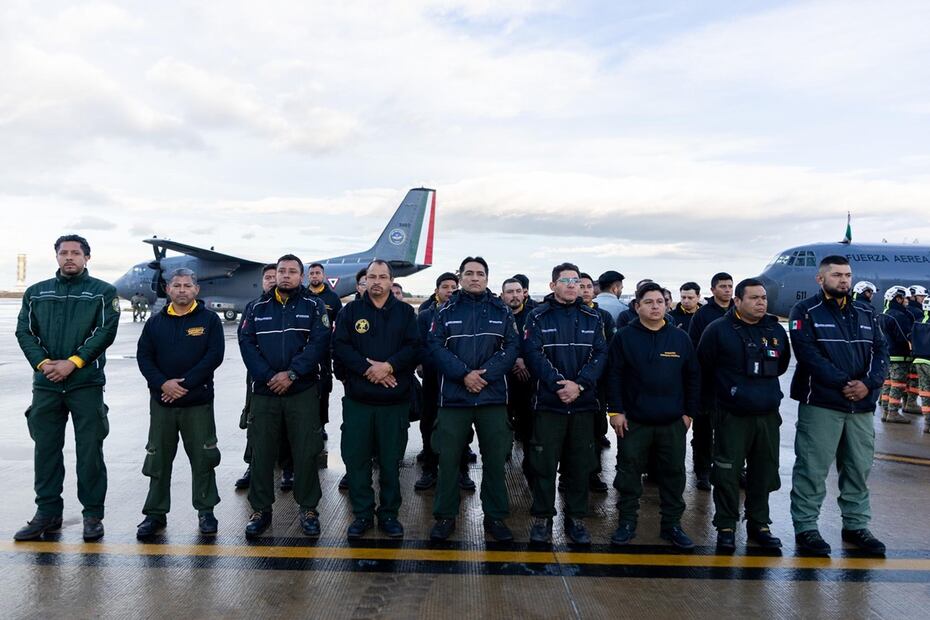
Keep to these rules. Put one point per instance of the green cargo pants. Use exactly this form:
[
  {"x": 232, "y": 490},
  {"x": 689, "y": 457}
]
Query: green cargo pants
[
  {"x": 667, "y": 443},
  {"x": 824, "y": 435},
  {"x": 46, "y": 419},
  {"x": 269, "y": 414},
  {"x": 752, "y": 439},
  {"x": 569, "y": 438},
  {"x": 374, "y": 431},
  {"x": 495, "y": 439},
  {"x": 198, "y": 432}
]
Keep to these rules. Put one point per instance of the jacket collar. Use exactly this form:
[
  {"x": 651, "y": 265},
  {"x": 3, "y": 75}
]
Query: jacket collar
[{"x": 71, "y": 279}]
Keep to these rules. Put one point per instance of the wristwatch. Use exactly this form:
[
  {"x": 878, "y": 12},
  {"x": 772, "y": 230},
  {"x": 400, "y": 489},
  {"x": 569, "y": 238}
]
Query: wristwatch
[
  {"x": 292, "y": 375},
  {"x": 580, "y": 388}
]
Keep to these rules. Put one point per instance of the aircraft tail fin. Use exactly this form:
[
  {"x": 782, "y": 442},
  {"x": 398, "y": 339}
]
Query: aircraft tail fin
[
  {"x": 408, "y": 236},
  {"x": 847, "y": 239}
]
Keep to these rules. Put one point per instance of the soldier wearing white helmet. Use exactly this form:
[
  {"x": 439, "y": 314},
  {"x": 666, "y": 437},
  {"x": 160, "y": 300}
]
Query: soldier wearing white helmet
[
  {"x": 920, "y": 338},
  {"x": 917, "y": 295},
  {"x": 864, "y": 290},
  {"x": 897, "y": 323}
]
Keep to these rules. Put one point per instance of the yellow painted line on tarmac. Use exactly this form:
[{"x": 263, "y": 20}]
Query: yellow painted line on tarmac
[
  {"x": 471, "y": 556},
  {"x": 900, "y": 458}
]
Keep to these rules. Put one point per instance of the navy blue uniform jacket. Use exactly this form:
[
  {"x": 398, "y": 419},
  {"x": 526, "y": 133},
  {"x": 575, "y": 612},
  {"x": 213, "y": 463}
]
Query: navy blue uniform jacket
[
  {"x": 564, "y": 341},
  {"x": 473, "y": 332},
  {"x": 275, "y": 337},
  {"x": 834, "y": 346},
  {"x": 722, "y": 354}
]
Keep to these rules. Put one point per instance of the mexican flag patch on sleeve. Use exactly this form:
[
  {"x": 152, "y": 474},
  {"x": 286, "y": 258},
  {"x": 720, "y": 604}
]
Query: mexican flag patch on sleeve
[{"x": 794, "y": 325}]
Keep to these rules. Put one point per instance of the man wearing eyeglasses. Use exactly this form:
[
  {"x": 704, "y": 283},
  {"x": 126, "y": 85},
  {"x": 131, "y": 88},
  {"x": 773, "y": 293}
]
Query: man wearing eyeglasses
[{"x": 565, "y": 350}]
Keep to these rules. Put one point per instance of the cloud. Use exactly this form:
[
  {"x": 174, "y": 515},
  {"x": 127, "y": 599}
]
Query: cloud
[{"x": 92, "y": 222}]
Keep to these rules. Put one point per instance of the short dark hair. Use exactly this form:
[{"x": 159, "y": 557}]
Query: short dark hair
[
  {"x": 312, "y": 265},
  {"x": 606, "y": 279},
  {"x": 666, "y": 292},
  {"x": 648, "y": 287},
  {"x": 690, "y": 286},
  {"x": 85, "y": 247},
  {"x": 361, "y": 274},
  {"x": 522, "y": 279},
  {"x": 379, "y": 261},
  {"x": 563, "y": 267},
  {"x": 585, "y": 276},
  {"x": 741, "y": 287},
  {"x": 511, "y": 281},
  {"x": 474, "y": 259},
  {"x": 182, "y": 272},
  {"x": 719, "y": 277},
  {"x": 643, "y": 281},
  {"x": 446, "y": 276},
  {"x": 397, "y": 284},
  {"x": 269, "y": 267},
  {"x": 834, "y": 259},
  {"x": 289, "y": 257}
]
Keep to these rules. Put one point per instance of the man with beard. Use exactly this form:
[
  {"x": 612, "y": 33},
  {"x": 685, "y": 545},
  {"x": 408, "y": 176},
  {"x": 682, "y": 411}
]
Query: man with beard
[
  {"x": 611, "y": 286},
  {"x": 179, "y": 350},
  {"x": 565, "y": 349},
  {"x": 520, "y": 385},
  {"x": 689, "y": 297},
  {"x": 317, "y": 285},
  {"x": 64, "y": 327},
  {"x": 375, "y": 346},
  {"x": 283, "y": 340},
  {"x": 702, "y": 438},
  {"x": 474, "y": 342},
  {"x": 842, "y": 359}
]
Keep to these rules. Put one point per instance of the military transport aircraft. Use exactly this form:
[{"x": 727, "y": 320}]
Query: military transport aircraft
[
  {"x": 228, "y": 283},
  {"x": 789, "y": 276}
]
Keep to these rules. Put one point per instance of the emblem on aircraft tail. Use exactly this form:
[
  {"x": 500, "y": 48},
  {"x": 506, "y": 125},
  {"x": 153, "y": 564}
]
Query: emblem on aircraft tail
[{"x": 397, "y": 236}]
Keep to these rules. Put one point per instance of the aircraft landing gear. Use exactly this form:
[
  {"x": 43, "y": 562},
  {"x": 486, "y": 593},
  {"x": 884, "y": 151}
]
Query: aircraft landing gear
[{"x": 230, "y": 315}]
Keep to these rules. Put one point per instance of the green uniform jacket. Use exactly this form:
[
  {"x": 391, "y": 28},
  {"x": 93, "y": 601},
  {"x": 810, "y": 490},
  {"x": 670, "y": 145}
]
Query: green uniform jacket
[{"x": 67, "y": 316}]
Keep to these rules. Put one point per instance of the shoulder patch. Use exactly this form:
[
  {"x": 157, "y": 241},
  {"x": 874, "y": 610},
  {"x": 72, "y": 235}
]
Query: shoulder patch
[
  {"x": 116, "y": 304},
  {"x": 795, "y": 325},
  {"x": 324, "y": 319}
]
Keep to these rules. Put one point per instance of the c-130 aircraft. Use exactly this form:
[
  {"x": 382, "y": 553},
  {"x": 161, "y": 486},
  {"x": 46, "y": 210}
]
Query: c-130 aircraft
[
  {"x": 790, "y": 275},
  {"x": 228, "y": 283}
]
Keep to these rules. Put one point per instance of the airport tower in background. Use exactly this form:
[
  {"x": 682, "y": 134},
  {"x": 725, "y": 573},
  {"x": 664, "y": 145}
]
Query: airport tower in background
[{"x": 20, "y": 273}]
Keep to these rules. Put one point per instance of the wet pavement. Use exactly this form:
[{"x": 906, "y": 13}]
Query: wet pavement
[{"x": 184, "y": 574}]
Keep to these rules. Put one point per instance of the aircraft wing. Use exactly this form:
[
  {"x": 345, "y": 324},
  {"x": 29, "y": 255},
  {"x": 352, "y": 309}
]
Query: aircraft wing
[{"x": 201, "y": 253}]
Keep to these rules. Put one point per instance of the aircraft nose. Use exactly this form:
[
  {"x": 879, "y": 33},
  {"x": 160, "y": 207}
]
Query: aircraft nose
[{"x": 123, "y": 286}]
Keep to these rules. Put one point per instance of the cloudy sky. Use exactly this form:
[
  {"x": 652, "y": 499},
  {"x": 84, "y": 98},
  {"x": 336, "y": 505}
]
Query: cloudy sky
[{"x": 664, "y": 139}]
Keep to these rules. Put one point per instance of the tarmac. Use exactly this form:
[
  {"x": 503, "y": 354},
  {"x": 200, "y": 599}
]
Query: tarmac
[{"x": 184, "y": 574}]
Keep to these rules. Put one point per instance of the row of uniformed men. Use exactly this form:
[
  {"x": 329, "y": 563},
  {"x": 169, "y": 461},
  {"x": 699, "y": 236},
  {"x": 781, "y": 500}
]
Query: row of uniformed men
[
  {"x": 652, "y": 389},
  {"x": 906, "y": 321}
]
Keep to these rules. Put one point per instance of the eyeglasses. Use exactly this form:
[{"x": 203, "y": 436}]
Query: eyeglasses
[{"x": 568, "y": 281}]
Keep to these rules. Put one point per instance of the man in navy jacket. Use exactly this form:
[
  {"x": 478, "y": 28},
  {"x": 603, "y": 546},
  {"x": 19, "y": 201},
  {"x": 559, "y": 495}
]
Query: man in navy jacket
[
  {"x": 653, "y": 388},
  {"x": 565, "y": 351},
  {"x": 178, "y": 351},
  {"x": 283, "y": 340},
  {"x": 842, "y": 360},
  {"x": 473, "y": 342}
]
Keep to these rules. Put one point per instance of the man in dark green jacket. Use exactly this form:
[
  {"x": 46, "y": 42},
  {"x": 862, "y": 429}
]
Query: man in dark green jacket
[{"x": 65, "y": 325}]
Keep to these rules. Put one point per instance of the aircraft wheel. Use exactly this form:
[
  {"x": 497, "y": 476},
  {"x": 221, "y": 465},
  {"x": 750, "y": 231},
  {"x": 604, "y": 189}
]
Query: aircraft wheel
[{"x": 230, "y": 315}]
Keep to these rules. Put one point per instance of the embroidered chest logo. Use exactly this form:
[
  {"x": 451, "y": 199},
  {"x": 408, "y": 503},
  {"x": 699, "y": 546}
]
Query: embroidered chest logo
[
  {"x": 362, "y": 326},
  {"x": 669, "y": 354},
  {"x": 195, "y": 331}
]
